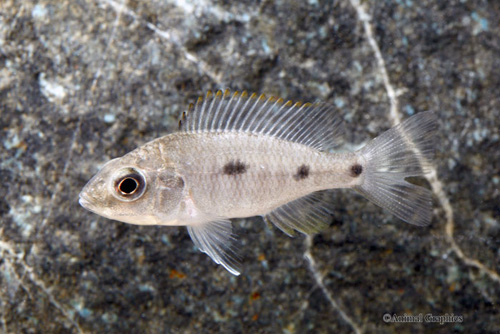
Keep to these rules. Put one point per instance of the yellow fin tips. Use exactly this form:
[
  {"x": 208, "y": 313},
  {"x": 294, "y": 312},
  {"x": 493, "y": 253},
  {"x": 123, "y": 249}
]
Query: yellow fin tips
[{"x": 314, "y": 125}]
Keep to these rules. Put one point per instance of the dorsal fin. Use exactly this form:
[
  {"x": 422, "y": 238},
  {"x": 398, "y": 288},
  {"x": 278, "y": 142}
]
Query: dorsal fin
[{"x": 315, "y": 125}]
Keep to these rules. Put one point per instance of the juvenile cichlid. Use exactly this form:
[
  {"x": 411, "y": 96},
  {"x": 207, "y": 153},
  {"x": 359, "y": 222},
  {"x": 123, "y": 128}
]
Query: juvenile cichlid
[{"x": 239, "y": 156}]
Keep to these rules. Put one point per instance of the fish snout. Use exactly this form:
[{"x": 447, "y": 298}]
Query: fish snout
[{"x": 84, "y": 200}]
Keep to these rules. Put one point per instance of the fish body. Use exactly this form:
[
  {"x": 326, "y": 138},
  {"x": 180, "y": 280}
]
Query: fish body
[
  {"x": 240, "y": 156},
  {"x": 240, "y": 175}
]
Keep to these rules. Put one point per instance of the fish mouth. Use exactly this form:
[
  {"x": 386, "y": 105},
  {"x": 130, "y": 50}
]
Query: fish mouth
[
  {"x": 88, "y": 205},
  {"x": 85, "y": 202}
]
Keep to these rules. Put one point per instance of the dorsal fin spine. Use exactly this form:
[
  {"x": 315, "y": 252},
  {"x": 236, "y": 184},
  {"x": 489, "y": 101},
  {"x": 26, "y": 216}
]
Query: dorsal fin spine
[
  {"x": 244, "y": 114},
  {"x": 210, "y": 113},
  {"x": 248, "y": 113},
  {"x": 288, "y": 115},
  {"x": 233, "y": 102},
  {"x": 241, "y": 113},
  {"x": 309, "y": 123},
  {"x": 291, "y": 127},
  {"x": 215, "y": 120},
  {"x": 310, "y": 136},
  {"x": 203, "y": 109},
  {"x": 197, "y": 106},
  {"x": 313, "y": 115},
  {"x": 264, "y": 101},
  {"x": 253, "y": 114},
  {"x": 252, "y": 123},
  {"x": 276, "y": 102},
  {"x": 316, "y": 115},
  {"x": 292, "y": 132},
  {"x": 297, "y": 108},
  {"x": 281, "y": 115},
  {"x": 224, "y": 112},
  {"x": 229, "y": 122},
  {"x": 185, "y": 117},
  {"x": 211, "y": 126}
]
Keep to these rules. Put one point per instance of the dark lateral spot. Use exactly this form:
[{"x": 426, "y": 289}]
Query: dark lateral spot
[
  {"x": 356, "y": 170},
  {"x": 234, "y": 168},
  {"x": 302, "y": 173}
]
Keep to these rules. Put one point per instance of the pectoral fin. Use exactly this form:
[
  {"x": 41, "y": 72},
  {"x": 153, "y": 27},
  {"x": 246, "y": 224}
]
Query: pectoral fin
[{"x": 217, "y": 241}]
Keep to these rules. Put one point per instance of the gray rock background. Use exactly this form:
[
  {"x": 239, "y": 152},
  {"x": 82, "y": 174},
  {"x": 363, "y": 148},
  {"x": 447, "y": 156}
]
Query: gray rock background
[{"x": 84, "y": 81}]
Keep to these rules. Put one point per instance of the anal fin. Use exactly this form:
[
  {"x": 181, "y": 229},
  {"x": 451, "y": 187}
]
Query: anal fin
[
  {"x": 217, "y": 241},
  {"x": 308, "y": 214}
]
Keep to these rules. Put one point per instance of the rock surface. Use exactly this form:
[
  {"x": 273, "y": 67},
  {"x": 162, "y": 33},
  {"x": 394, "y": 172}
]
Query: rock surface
[{"x": 84, "y": 81}]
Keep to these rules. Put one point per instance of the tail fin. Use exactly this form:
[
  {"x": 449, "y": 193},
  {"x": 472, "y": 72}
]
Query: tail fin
[{"x": 403, "y": 151}]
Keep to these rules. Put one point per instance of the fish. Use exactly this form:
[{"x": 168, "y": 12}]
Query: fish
[{"x": 238, "y": 155}]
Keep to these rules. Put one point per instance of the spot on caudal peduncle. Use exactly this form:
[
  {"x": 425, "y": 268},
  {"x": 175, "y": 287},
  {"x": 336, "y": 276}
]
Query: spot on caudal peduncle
[{"x": 356, "y": 170}]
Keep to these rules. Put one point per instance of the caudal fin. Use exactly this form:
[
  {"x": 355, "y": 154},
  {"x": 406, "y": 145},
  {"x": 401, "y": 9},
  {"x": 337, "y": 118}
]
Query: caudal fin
[{"x": 403, "y": 151}]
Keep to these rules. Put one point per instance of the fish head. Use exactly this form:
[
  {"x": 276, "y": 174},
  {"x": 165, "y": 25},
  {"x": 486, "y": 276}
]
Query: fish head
[{"x": 135, "y": 191}]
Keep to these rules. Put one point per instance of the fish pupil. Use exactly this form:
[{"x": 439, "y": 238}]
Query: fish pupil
[{"x": 128, "y": 186}]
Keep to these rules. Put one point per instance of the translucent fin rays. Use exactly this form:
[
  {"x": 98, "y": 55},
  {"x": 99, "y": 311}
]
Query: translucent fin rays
[{"x": 315, "y": 125}]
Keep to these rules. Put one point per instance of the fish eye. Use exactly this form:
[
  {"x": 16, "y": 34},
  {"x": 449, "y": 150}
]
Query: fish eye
[{"x": 130, "y": 186}]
